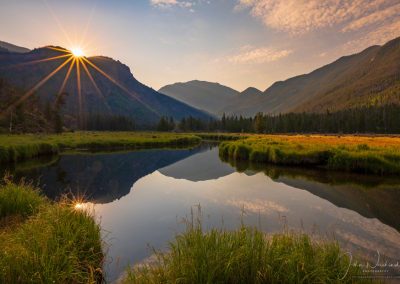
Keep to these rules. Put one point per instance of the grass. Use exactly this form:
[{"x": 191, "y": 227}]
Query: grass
[
  {"x": 23, "y": 200},
  {"x": 246, "y": 255},
  {"x": 14, "y": 148},
  {"x": 53, "y": 243},
  {"x": 376, "y": 155},
  {"x": 221, "y": 136}
]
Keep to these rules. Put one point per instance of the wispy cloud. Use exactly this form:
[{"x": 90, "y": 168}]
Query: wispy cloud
[
  {"x": 172, "y": 3},
  {"x": 378, "y": 36},
  {"x": 299, "y": 17},
  {"x": 377, "y": 17},
  {"x": 250, "y": 55}
]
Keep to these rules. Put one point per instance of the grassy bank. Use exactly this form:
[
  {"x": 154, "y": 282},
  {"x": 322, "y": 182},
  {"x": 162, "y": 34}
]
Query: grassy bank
[
  {"x": 246, "y": 256},
  {"x": 15, "y": 148},
  {"x": 376, "y": 155},
  {"x": 46, "y": 242},
  {"x": 221, "y": 136}
]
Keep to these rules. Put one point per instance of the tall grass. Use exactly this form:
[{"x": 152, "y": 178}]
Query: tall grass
[
  {"x": 15, "y": 148},
  {"x": 56, "y": 244},
  {"x": 22, "y": 199},
  {"x": 246, "y": 255},
  {"x": 377, "y": 155}
]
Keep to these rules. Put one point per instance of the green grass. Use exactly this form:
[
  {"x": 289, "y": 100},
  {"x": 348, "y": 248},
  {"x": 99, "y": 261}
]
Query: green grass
[
  {"x": 221, "y": 136},
  {"x": 376, "y": 155},
  {"x": 23, "y": 200},
  {"x": 54, "y": 243},
  {"x": 246, "y": 255},
  {"x": 14, "y": 148}
]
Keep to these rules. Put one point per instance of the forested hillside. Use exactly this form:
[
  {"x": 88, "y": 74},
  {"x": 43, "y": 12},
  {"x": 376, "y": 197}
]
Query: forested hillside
[{"x": 102, "y": 87}]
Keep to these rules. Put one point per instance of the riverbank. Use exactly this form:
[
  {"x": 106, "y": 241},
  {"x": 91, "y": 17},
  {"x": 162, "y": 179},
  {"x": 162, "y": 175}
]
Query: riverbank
[
  {"x": 361, "y": 154},
  {"x": 46, "y": 242},
  {"x": 246, "y": 255},
  {"x": 15, "y": 148}
]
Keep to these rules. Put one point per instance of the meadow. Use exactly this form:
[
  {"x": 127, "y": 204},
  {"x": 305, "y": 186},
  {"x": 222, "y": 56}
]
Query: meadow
[
  {"x": 46, "y": 242},
  {"x": 246, "y": 255},
  {"x": 361, "y": 154},
  {"x": 14, "y": 148}
]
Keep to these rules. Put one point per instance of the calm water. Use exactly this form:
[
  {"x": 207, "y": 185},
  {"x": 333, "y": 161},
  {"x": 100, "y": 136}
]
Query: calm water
[{"x": 141, "y": 198}]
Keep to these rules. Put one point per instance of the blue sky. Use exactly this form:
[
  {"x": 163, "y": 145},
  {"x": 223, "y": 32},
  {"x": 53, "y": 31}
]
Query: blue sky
[{"x": 239, "y": 43}]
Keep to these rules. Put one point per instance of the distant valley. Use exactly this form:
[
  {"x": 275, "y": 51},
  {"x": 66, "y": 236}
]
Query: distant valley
[{"x": 368, "y": 78}]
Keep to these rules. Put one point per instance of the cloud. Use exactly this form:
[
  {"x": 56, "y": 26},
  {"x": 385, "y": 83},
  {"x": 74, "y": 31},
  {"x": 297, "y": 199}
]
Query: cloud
[
  {"x": 171, "y": 3},
  {"x": 377, "y": 17},
  {"x": 258, "y": 55},
  {"x": 378, "y": 36},
  {"x": 257, "y": 206},
  {"x": 302, "y": 16}
]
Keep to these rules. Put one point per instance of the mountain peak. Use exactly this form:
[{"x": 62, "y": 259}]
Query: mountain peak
[
  {"x": 96, "y": 85},
  {"x": 204, "y": 95},
  {"x": 251, "y": 91}
]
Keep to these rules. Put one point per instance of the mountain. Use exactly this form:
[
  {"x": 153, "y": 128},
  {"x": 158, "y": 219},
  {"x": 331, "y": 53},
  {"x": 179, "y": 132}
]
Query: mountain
[
  {"x": 5, "y": 46},
  {"x": 207, "y": 96},
  {"x": 371, "y": 77},
  {"x": 112, "y": 179},
  {"x": 112, "y": 90},
  {"x": 202, "y": 166},
  {"x": 245, "y": 98},
  {"x": 251, "y": 91}
]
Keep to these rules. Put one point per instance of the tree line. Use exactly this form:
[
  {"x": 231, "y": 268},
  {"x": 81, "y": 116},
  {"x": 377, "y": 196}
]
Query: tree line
[{"x": 367, "y": 119}]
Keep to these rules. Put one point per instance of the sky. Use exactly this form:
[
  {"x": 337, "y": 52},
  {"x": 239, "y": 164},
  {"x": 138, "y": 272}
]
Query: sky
[{"x": 238, "y": 43}]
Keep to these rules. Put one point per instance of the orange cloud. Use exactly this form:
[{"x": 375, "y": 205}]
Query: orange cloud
[
  {"x": 258, "y": 55},
  {"x": 298, "y": 17}
]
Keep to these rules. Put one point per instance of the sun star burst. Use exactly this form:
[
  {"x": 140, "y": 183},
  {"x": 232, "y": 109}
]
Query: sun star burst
[{"x": 77, "y": 52}]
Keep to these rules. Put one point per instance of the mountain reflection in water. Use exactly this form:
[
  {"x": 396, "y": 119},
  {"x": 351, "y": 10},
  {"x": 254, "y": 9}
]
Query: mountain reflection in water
[{"x": 140, "y": 198}]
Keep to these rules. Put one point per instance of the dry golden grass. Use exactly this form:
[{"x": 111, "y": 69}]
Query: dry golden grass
[
  {"x": 365, "y": 154},
  {"x": 334, "y": 140}
]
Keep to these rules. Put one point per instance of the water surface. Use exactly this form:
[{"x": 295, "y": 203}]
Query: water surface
[{"x": 141, "y": 198}]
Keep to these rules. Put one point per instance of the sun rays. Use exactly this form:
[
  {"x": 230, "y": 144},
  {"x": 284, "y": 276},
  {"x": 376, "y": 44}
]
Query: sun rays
[
  {"x": 78, "y": 67},
  {"x": 77, "y": 52},
  {"x": 74, "y": 60}
]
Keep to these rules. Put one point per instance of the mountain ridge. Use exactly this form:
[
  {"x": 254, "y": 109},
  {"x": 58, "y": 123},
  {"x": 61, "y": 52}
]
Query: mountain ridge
[
  {"x": 120, "y": 93},
  {"x": 12, "y": 47},
  {"x": 370, "y": 77},
  {"x": 203, "y": 95}
]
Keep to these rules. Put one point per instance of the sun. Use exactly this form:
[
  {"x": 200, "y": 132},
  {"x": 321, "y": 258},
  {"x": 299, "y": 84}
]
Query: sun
[{"x": 77, "y": 52}]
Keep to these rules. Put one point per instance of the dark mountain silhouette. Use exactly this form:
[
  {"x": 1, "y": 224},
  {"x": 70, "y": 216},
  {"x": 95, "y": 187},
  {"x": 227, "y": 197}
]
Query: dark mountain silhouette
[
  {"x": 5, "y": 46},
  {"x": 211, "y": 97},
  {"x": 199, "y": 167},
  {"x": 117, "y": 91},
  {"x": 370, "y": 196},
  {"x": 101, "y": 178},
  {"x": 251, "y": 91},
  {"x": 371, "y": 77}
]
